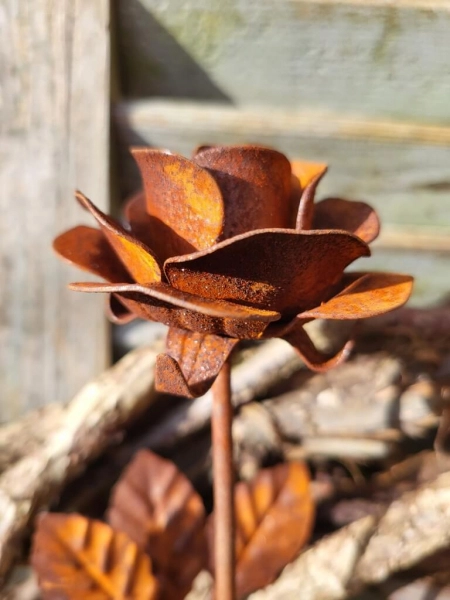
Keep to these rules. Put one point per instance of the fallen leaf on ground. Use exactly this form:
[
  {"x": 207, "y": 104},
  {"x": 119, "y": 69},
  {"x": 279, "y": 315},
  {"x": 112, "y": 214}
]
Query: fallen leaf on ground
[
  {"x": 274, "y": 520},
  {"x": 76, "y": 558}
]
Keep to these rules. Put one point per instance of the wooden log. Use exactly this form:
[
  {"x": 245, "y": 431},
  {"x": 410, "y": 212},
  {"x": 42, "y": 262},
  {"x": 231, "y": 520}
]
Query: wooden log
[{"x": 54, "y": 68}]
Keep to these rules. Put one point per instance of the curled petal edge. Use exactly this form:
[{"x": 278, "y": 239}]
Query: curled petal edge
[
  {"x": 356, "y": 217},
  {"x": 313, "y": 358},
  {"x": 305, "y": 213},
  {"x": 368, "y": 295},
  {"x": 286, "y": 271},
  {"x": 192, "y": 363},
  {"x": 138, "y": 259},
  {"x": 305, "y": 171},
  {"x": 117, "y": 312},
  {"x": 88, "y": 249}
]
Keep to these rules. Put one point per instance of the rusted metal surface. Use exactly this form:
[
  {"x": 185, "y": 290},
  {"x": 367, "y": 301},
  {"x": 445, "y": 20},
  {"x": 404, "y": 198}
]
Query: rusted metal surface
[
  {"x": 278, "y": 269},
  {"x": 69, "y": 557},
  {"x": 183, "y": 201},
  {"x": 306, "y": 207},
  {"x": 357, "y": 217},
  {"x": 165, "y": 304},
  {"x": 231, "y": 244},
  {"x": 89, "y": 250},
  {"x": 256, "y": 187},
  {"x": 193, "y": 353},
  {"x": 276, "y": 505},
  {"x": 223, "y": 486},
  {"x": 157, "y": 507}
]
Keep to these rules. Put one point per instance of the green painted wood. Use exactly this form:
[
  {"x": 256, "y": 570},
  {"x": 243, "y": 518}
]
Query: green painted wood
[
  {"x": 376, "y": 58},
  {"x": 54, "y": 73}
]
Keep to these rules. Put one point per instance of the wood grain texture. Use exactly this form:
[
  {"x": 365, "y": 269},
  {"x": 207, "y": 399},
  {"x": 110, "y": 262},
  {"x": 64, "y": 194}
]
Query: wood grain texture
[
  {"x": 54, "y": 72},
  {"x": 377, "y": 58}
]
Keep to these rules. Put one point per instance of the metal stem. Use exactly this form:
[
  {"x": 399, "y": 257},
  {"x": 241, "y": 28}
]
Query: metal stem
[{"x": 223, "y": 481}]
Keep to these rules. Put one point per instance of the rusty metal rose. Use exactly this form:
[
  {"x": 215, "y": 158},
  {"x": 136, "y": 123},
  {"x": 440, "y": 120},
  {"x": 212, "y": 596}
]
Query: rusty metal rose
[{"x": 228, "y": 246}]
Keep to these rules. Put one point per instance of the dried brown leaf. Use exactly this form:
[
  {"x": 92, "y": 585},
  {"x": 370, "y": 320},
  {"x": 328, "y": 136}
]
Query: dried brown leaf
[
  {"x": 77, "y": 558},
  {"x": 158, "y": 508},
  {"x": 274, "y": 519}
]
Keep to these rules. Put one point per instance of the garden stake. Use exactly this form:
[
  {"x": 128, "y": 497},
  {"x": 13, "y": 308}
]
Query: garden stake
[
  {"x": 230, "y": 245},
  {"x": 223, "y": 482}
]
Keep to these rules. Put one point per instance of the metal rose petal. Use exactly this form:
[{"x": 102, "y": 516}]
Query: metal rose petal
[
  {"x": 255, "y": 183},
  {"x": 117, "y": 312},
  {"x": 88, "y": 249},
  {"x": 140, "y": 222},
  {"x": 135, "y": 256},
  {"x": 169, "y": 377},
  {"x": 277, "y": 270},
  {"x": 183, "y": 200},
  {"x": 306, "y": 171},
  {"x": 370, "y": 295},
  {"x": 356, "y": 217},
  {"x": 313, "y": 358},
  {"x": 306, "y": 207},
  {"x": 192, "y": 362},
  {"x": 160, "y": 302},
  {"x": 152, "y": 231}
]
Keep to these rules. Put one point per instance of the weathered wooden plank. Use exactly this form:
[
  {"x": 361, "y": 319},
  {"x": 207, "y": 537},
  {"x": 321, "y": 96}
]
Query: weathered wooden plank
[
  {"x": 54, "y": 73},
  {"x": 404, "y": 171},
  {"x": 381, "y": 58}
]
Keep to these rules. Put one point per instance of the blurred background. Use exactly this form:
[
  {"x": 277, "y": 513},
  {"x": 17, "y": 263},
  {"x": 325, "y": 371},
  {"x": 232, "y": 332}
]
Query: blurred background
[{"x": 363, "y": 85}]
